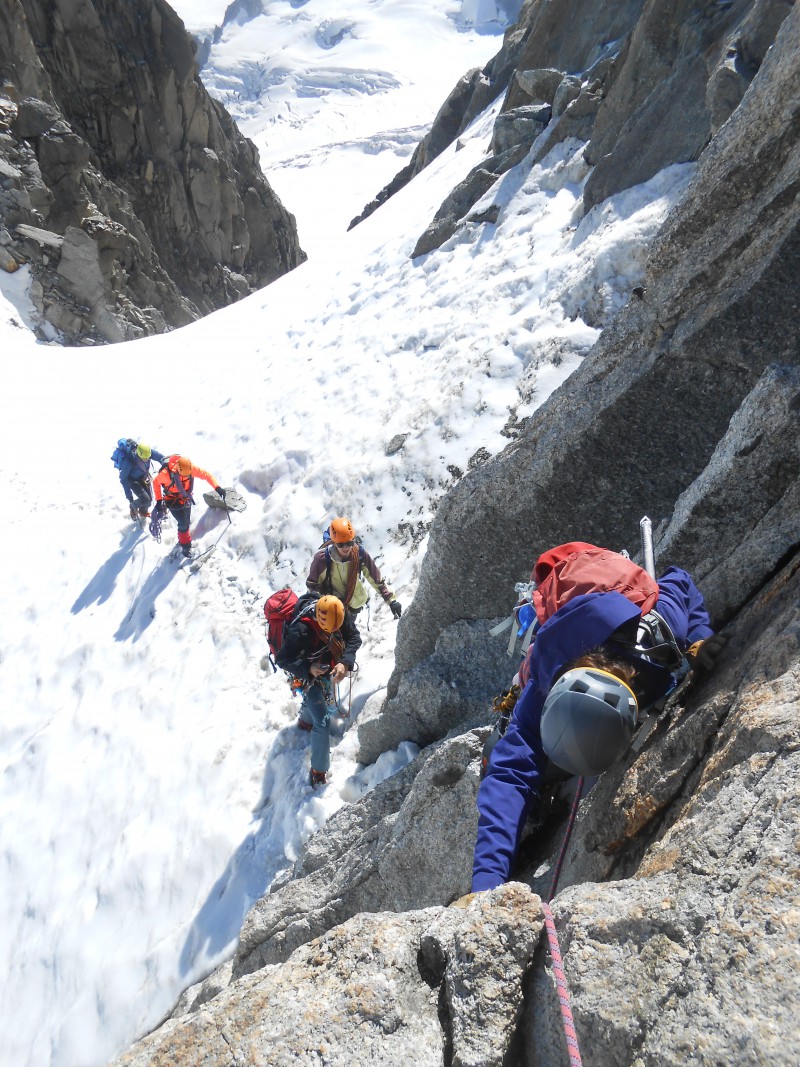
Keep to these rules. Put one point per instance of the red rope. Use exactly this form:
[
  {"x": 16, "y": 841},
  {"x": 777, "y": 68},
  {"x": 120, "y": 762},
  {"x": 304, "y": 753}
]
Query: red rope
[{"x": 573, "y": 1051}]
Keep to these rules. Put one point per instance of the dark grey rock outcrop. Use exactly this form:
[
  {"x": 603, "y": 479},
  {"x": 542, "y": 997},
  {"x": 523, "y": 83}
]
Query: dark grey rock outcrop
[
  {"x": 383, "y": 853},
  {"x": 474, "y": 91},
  {"x": 109, "y": 142},
  {"x": 449, "y": 691}
]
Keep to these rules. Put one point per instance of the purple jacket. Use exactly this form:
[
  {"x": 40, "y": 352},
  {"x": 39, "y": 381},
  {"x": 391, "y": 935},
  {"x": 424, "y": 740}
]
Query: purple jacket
[{"x": 518, "y": 761}]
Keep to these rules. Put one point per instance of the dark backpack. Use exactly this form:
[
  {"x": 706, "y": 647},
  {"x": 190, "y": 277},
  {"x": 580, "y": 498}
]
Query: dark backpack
[{"x": 126, "y": 447}]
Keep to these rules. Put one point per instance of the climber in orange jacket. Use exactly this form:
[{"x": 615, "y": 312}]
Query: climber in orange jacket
[{"x": 173, "y": 487}]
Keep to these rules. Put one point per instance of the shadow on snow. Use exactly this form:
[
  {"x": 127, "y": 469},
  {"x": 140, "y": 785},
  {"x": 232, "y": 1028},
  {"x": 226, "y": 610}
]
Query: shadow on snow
[{"x": 102, "y": 584}]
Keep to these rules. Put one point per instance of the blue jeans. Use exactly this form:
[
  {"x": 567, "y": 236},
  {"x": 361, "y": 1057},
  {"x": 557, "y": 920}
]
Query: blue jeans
[{"x": 315, "y": 710}]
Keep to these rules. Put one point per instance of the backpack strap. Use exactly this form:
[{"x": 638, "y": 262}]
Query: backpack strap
[
  {"x": 352, "y": 573},
  {"x": 179, "y": 490},
  {"x": 655, "y": 639}
]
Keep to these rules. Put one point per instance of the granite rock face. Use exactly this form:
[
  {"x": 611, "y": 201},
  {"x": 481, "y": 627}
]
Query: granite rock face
[
  {"x": 384, "y": 852},
  {"x": 449, "y": 691},
  {"x": 132, "y": 195},
  {"x": 383, "y": 988}
]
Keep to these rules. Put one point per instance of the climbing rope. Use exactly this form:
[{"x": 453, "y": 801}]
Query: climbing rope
[
  {"x": 573, "y": 1051},
  {"x": 155, "y": 522},
  {"x": 342, "y": 713},
  {"x": 565, "y": 843}
]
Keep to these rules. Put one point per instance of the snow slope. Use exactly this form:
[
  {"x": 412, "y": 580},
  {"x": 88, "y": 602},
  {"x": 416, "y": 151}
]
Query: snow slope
[
  {"x": 328, "y": 88},
  {"x": 153, "y": 779}
]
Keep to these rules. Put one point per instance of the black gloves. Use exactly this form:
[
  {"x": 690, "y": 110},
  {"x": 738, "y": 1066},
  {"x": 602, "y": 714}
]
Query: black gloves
[
  {"x": 704, "y": 653},
  {"x": 395, "y": 608},
  {"x": 221, "y": 491},
  {"x": 160, "y": 509}
]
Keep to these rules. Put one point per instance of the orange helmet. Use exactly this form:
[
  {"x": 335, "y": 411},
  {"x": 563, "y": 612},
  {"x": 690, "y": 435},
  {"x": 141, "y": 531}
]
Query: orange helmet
[
  {"x": 342, "y": 530},
  {"x": 184, "y": 466},
  {"x": 329, "y": 613}
]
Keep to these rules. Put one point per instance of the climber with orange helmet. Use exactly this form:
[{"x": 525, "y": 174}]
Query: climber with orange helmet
[
  {"x": 319, "y": 648},
  {"x": 338, "y": 566},
  {"x": 173, "y": 487}
]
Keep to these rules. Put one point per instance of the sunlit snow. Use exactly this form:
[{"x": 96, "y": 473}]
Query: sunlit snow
[{"x": 153, "y": 779}]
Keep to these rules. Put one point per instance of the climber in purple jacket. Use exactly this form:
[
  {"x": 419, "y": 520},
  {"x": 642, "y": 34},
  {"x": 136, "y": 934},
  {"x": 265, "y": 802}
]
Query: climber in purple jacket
[{"x": 596, "y": 666}]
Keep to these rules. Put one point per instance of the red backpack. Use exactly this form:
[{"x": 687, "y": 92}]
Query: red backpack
[
  {"x": 576, "y": 568},
  {"x": 278, "y": 610}
]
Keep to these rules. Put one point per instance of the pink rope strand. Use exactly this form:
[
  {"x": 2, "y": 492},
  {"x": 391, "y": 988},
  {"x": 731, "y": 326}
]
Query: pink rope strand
[
  {"x": 573, "y": 1051},
  {"x": 561, "y": 987}
]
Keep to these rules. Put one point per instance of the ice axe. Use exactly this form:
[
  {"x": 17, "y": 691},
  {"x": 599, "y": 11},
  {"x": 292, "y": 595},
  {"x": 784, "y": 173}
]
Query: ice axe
[{"x": 648, "y": 556}]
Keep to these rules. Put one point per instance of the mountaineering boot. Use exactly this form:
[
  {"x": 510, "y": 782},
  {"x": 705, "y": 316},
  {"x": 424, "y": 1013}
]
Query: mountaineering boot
[
  {"x": 302, "y": 724},
  {"x": 143, "y": 514},
  {"x": 134, "y": 513},
  {"x": 317, "y": 778},
  {"x": 187, "y": 550}
]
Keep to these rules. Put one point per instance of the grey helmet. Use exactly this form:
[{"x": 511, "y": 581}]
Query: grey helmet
[{"x": 588, "y": 720}]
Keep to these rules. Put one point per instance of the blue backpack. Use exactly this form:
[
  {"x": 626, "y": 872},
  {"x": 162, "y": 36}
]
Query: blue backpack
[{"x": 126, "y": 447}]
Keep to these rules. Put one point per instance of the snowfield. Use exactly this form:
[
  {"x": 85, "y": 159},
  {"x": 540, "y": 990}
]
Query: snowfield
[{"x": 154, "y": 782}]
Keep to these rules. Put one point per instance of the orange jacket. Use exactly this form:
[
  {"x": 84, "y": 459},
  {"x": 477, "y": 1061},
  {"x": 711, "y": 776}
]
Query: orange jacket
[{"x": 168, "y": 480}]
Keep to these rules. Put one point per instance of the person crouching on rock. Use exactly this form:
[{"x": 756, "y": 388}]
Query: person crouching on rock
[
  {"x": 173, "y": 487},
  {"x": 598, "y": 663},
  {"x": 319, "y": 648}
]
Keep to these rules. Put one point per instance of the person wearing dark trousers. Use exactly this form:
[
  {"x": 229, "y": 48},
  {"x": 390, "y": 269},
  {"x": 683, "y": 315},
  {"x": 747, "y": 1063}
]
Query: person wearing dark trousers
[
  {"x": 173, "y": 486},
  {"x": 319, "y": 649},
  {"x": 134, "y": 460}
]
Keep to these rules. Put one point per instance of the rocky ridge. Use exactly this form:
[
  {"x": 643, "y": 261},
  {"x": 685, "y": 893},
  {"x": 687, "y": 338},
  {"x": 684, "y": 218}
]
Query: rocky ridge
[
  {"x": 645, "y": 85},
  {"x": 130, "y": 193},
  {"x": 679, "y": 902}
]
